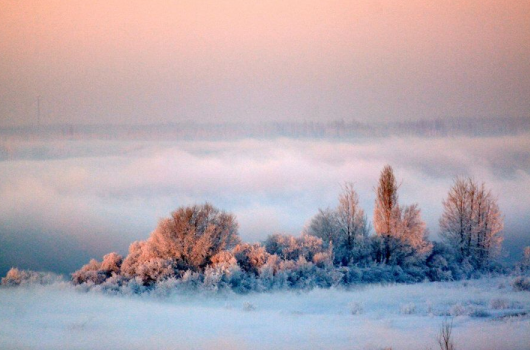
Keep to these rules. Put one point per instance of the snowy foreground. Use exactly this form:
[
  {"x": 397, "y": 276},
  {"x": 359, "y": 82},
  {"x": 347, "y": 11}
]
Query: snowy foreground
[{"x": 487, "y": 314}]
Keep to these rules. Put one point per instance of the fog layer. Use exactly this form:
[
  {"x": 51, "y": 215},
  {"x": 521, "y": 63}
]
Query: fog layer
[{"x": 81, "y": 199}]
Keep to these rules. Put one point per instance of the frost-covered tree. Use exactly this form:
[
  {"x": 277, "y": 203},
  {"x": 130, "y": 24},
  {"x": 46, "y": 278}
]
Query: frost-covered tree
[
  {"x": 97, "y": 272},
  {"x": 188, "y": 240},
  {"x": 353, "y": 226},
  {"x": 90, "y": 272},
  {"x": 140, "y": 253},
  {"x": 398, "y": 227},
  {"x": 386, "y": 209},
  {"x": 325, "y": 225},
  {"x": 192, "y": 235},
  {"x": 344, "y": 228},
  {"x": 288, "y": 247},
  {"x": 111, "y": 263},
  {"x": 412, "y": 230},
  {"x": 224, "y": 259},
  {"x": 472, "y": 222},
  {"x": 250, "y": 257}
]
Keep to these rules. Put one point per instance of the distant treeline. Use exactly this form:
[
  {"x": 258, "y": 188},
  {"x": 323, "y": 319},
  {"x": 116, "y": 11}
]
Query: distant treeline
[{"x": 339, "y": 129}]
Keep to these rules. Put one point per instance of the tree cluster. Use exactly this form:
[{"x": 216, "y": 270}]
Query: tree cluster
[{"x": 199, "y": 246}]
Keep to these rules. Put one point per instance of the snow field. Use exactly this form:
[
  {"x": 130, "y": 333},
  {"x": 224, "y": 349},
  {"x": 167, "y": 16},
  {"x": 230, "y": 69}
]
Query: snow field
[{"x": 486, "y": 313}]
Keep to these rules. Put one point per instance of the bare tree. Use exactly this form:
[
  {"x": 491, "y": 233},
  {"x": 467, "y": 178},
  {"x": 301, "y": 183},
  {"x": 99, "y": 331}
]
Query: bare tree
[
  {"x": 472, "y": 222},
  {"x": 445, "y": 337}
]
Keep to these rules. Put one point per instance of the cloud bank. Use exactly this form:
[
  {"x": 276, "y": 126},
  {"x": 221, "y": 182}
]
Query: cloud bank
[{"x": 82, "y": 199}]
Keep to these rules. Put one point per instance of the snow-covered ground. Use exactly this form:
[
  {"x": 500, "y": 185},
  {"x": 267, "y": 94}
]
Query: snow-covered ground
[{"x": 486, "y": 313}]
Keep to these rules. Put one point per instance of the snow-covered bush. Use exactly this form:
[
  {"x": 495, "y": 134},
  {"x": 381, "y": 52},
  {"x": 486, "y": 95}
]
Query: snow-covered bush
[
  {"x": 356, "y": 308},
  {"x": 323, "y": 260},
  {"x": 350, "y": 274},
  {"x": 112, "y": 285},
  {"x": 166, "y": 287},
  {"x": 91, "y": 272},
  {"x": 250, "y": 257},
  {"x": 112, "y": 263},
  {"x": 134, "y": 286},
  {"x": 408, "y": 309},
  {"x": 16, "y": 277},
  {"x": 441, "y": 264},
  {"x": 521, "y": 284},
  {"x": 499, "y": 304},
  {"x": 479, "y": 313},
  {"x": 292, "y": 248},
  {"x": 457, "y": 310},
  {"x": 215, "y": 279},
  {"x": 248, "y": 306},
  {"x": 190, "y": 281},
  {"x": 155, "y": 270}
]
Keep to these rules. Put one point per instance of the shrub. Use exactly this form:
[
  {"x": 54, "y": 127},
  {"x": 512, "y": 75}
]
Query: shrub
[
  {"x": 521, "y": 284},
  {"x": 248, "y": 306},
  {"x": 16, "y": 277},
  {"x": 408, "y": 309},
  {"x": 356, "y": 308},
  {"x": 457, "y": 310},
  {"x": 499, "y": 304}
]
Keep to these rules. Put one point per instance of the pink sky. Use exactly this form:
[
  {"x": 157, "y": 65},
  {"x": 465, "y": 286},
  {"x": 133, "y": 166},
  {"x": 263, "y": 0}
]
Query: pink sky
[{"x": 158, "y": 61}]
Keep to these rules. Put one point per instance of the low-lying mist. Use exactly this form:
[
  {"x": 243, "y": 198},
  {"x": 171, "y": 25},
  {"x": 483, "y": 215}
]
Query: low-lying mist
[{"x": 66, "y": 201}]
